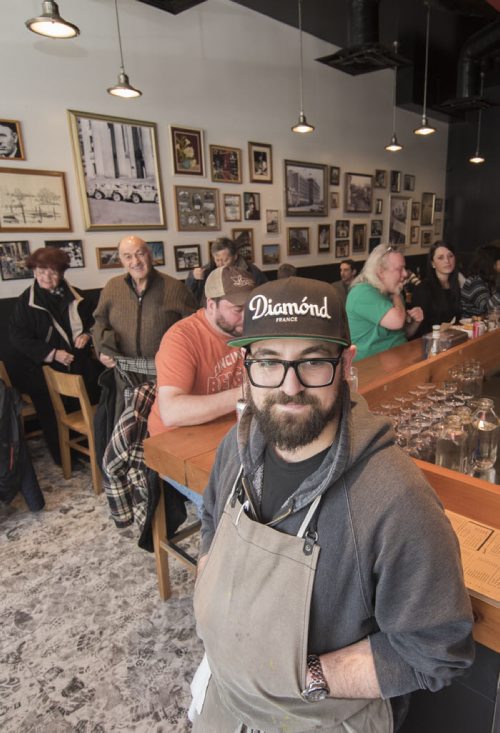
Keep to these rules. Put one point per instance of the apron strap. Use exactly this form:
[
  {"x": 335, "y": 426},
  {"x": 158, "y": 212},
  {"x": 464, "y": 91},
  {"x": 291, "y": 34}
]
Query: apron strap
[{"x": 309, "y": 516}]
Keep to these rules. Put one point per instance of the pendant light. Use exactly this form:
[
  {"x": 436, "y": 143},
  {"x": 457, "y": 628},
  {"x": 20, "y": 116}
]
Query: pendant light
[
  {"x": 394, "y": 146},
  {"x": 425, "y": 128},
  {"x": 50, "y": 23},
  {"x": 477, "y": 158},
  {"x": 124, "y": 88},
  {"x": 302, "y": 125}
]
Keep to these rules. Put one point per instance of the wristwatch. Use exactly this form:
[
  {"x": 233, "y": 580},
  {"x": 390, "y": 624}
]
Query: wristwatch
[{"x": 318, "y": 688}]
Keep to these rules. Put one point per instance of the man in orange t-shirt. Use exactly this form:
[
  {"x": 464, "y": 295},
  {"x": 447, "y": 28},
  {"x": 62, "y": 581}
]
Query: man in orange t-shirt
[{"x": 198, "y": 375}]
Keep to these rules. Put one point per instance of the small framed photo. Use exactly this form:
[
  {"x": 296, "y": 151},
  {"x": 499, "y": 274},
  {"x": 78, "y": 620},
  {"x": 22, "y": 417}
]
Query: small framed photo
[
  {"x": 187, "y": 151},
  {"x": 427, "y": 209},
  {"x": 187, "y": 257},
  {"x": 415, "y": 210},
  {"x": 197, "y": 208},
  {"x": 107, "y": 258},
  {"x": 11, "y": 140},
  {"x": 414, "y": 234},
  {"x": 298, "y": 241},
  {"x": 272, "y": 221},
  {"x": 437, "y": 226},
  {"x": 377, "y": 227},
  {"x": 251, "y": 206},
  {"x": 12, "y": 261},
  {"x": 244, "y": 242},
  {"x": 341, "y": 248},
  {"x": 395, "y": 181},
  {"x": 334, "y": 200},
  {"x": 334, "y": 175},
  {"x": 225, "y": 164},
  {"x": 306, "y": 188},
  {"x": 399, "y": 221},
  {"x": 426, "y": 237},
  {"x": 72, "y": 247},
  {"x": 324, "y": 237},
  {"x": 157, "y": 252},
  {"x": 260, "y": 161},
  {"x": 380, "y": 179},
  {"x": 408, "y": 182},
  {"x": 438, "y": 206},
  {"x": 373, "y": 242},
  {"x": 271, "y": 254},
  {"x": 358, "y": 238},
  {"x": 232, "y": 207},
  {"x": 358, "y": 193},
  {"x": 342, "y": 228},
  {"x": 379, "y": 205}
]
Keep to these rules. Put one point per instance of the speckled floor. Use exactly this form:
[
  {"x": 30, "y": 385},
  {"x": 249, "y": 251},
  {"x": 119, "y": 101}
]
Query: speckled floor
[{"x": 85, "y": 643}]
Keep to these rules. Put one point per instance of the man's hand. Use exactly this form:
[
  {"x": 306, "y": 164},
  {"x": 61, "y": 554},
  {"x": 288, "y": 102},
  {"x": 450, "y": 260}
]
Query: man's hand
[
  {"x": 416, "y": 314},
  {"x": 108, "y": 361},
  {"x": 199, "y": 273},
  {"x": 82, "y": 340}
]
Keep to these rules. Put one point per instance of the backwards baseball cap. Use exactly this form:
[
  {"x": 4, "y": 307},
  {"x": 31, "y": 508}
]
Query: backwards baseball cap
[
  {"x": 295, "y": 307},
  {"x": 229, "y": 283}
]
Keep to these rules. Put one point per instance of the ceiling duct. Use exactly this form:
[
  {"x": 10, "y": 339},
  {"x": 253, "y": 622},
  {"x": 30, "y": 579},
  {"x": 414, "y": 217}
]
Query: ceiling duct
[
  {"x": 173, "y": 6},
  {"x": 365, "y": 54}
]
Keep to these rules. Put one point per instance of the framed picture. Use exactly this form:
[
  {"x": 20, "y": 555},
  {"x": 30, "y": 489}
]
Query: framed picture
[
  {"x": 187, "y": 150},
  {"x": 358, "y": 193},
  {"x": 12, "y": 257},
  {"x": 11, "y": 140},
  {"x": 260, "y": 162},
  {"x": 187, "y": 257},
  {"x": 415, "y": 210},
  {"x": 72, "y": 247},
  {"x": 306, "y": 189},
  {"x": 358, "y": 238},
  {"x": 399, "y": 220},
  {"x": 379, "y": 205},
  {"x": 341, "y": 248},
  {"x": 270, "y": 254},
  {"x": 334, "y": 200},
  {"x": 342, "y": 228},
  {"x": 324, "y": 237},
  {"x": 380, "y": 179},
  {"x": 197, "y": 208},
  {"x": 33, "y": 201},
  {"x": 437, "y": 226},
  {"x": 395, "y": 181},
  {"x": 438, "y": 205},
  {"x": 414, "y": 234},
  {"x": 118, "y": 173},
  {"x": 298, "y": 240},
  {"x": 377, "y": 227},
  {"x": 244, "y": 241},
  {"x": 251, "y": 206},
  {"x": 427, "y": 209},
  {"x": 157, "y": 252},
  {"x": 408, "y": 182},
  {"x": 225, "y": 164},
  {"x": 426, "y": 237},
  {"x": 245, "y": 250},
  {"x": 107, "y": 258},
  {"x": 272, "y": 221},
  {"x": 373, "y": 242},
  {"x": 232, "y": 207},
  {"x": 334, "y": 175}
]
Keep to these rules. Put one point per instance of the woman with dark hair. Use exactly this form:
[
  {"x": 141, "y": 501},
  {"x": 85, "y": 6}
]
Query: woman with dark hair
[
  {"x": 439, "y": 293},
  {"x": 51, "y": 325},
  {"x": 479, "y": 291}
]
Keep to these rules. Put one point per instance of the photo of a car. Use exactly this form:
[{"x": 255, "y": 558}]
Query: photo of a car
[{"x": 134, "y": 190}]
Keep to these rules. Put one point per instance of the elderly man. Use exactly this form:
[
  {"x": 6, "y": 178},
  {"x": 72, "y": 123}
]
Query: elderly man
[
  {"x": 348, "y": 272},
  {"x": 8, "y": 141},
  {"x": 329, "y": 582},
  {"x": 378, "y": 319},
  {"x": 198, "y": 375}
]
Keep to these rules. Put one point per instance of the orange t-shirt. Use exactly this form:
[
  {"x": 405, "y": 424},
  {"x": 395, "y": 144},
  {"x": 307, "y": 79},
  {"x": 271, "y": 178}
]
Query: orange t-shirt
[{"x": 196, "y": 358}]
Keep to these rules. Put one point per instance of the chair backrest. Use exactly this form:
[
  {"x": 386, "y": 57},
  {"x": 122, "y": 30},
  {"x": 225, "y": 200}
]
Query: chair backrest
[
  {"x": 68, "y": 385},
  {"x": 4, "y": 376}
]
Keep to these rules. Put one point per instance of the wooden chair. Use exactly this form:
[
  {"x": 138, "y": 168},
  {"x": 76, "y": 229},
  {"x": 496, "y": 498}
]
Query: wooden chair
[
  {"x": 28, "y": 413},
  {"x": 81, "y": 421}
]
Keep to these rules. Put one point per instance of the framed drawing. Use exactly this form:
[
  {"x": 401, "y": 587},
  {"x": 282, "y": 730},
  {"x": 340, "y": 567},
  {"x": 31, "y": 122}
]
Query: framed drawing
[
  {"x": 33, "y": 201},
  {"x": 379, "y": 205},
  {"x": 305, "y": 189},
  {"x": 358, "y": 238},
  {"x": 415, "y": 210},
  {"x": 380, "y": 179},
  {"x": 334, "y": 175},
  {"x": 197, "y": 208},
  {"x": 341, "y": 248},
  {"x": 298, "y": 240},
  {"x": 187, "y": 150},
  {"x": 270, "y": 254},
  {"x": 260, "y": 162},
  {"x": 251, "y": 206},
  {"x": 342, "y": 228},
  {"x": 414, "y": 234},
  {"x": 107, "y": 258},
  {"x": 427, "y": 209},
  {"x": 157, "y": 252},
  {"x": 377, "y": 227},
  {"x": 225, "y": 164},
  {"x": 324, "y": 237},
  {"x": 243, "y": 239},
  {"x": 72, "y": 247},
  {"x": 334, "y": 200},
  {"x": 426, "y": 237},
  {"x": 272, "y": 221},
  {"x": 395, "y": 181},
  {"x": 408, "y": 182},
  {"x": 232, "y": 207},
  {"x": 399, "y": 220},
  {"x": 118, "y": 173},
  {"x": 12, "y": 257},
  {"x": 11, "y": 140},
  {"x": 187, "y": 257},
  {"x": 358, "y": 193}
]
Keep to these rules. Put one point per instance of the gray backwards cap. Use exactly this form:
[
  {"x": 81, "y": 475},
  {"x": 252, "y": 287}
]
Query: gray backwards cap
[{"x": 295, "y": 307}]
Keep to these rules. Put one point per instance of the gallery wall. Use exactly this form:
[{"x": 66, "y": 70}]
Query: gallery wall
[{"x": 227, "y": 71}]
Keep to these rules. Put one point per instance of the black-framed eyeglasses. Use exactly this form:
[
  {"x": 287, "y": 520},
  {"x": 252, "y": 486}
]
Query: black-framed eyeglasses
[{"x": 271, "y": 373}]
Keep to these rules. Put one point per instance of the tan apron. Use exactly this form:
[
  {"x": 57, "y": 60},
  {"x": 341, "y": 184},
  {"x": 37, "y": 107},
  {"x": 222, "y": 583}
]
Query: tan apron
[{"x": 252, "y": 603}]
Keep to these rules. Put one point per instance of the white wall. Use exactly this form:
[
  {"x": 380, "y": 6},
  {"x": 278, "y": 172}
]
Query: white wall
[{"x": 219, "y": 67}]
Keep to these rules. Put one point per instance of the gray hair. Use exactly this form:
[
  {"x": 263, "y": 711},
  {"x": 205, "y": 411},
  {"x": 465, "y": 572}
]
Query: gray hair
[{"x": 376, "y": 260}]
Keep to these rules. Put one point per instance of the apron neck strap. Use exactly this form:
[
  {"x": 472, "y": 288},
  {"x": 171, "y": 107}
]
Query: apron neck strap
[{"x": 308, "y": 519}]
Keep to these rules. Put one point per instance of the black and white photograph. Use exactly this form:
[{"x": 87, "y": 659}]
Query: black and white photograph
[
  {"x": 324, "y": 237},
  {"x": 298, "y": 241},
  {"x": 118, "y": 173},
  {"x": 415, "y": 210},
  {"x": 399, "y": 220},
  {"x": 251, "y": 206},
  {"x": 33, "y": 201},
  {"x": 12, "y": 261},
  {"x": 438, "y": 205},
  {"x": 358, "y": 238},
  {"x": 72, "y": 247},
  {"x": 272, "y": 221},
  {"x": 358, "y": 193},
  {"x": 341, "y": 248},
  {"x": 270, "y": 254},
  {"x": 395, "y": 181},
  {"x": 342, "y": 228},
  {"x": 414, "y": 234},
  {"x": 334, "y": 175},
  {"x": 232, "y": 207},
  {"x": 408, "y": 182},
  {"x": 260, "y": 162},
  {"x": 380, "y": 179},
  {"x": 379, "y": 205},
  {"x": 11, "y": 140},
  {"x": 197, "y": 208},
  {"x": 334, "y": 200},
  {"x": 306, "y": 189},
  {"x": 427, "y": 209},
  {"x": 157, "y": 253},
  {"x": 187, "y": 256},
  {"x": 244, "y": 239},
  {"x": 377, "y": 226},
  {"x": 426, "y": 237}
]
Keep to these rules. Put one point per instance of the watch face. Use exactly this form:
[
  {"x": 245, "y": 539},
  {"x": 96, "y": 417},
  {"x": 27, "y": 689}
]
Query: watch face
[{"x": 314, "y": 694}]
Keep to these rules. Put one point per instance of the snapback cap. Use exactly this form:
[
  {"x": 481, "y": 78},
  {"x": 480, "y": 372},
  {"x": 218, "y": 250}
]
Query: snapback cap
[
  {"x": 229, "y": 283},
  {"x": 295, "y": 307}
]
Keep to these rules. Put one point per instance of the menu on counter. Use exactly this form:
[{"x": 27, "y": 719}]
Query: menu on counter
[{"x": 480, "y": 548}]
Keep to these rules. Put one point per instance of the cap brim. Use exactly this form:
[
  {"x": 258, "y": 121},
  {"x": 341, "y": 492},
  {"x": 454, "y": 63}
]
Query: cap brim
[
  {"x": 237, "y": 298},
  {"x": 245, "y": 341}
]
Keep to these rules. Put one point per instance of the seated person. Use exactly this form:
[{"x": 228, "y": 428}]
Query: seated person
[
  {"x": 198, "y": 375},
  {"x": 348, "y": 272},
  {"x": 479, "y": 291},
  {"x": 439, "y": 293},
  {"x": 376, "y": 311}
]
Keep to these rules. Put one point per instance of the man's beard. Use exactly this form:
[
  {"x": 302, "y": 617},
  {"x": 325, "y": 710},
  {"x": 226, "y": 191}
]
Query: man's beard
[
  {"x": 290, "y": 432},
  {"x": 221, "y": 323}
]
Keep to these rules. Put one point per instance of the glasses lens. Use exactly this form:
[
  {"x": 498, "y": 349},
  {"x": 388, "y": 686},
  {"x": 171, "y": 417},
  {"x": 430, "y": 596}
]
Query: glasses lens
[
  {"x": 316, "y": 373},
  {"x": 270, "y": 373}
]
